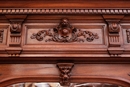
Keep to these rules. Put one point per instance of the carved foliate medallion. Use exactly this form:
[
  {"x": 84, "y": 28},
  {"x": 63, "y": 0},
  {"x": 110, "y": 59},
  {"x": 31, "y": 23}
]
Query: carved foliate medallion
[{"x": 65, "y": 33}]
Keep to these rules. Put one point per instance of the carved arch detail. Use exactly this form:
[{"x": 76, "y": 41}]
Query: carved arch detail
[{"x": 80, "y": 79}]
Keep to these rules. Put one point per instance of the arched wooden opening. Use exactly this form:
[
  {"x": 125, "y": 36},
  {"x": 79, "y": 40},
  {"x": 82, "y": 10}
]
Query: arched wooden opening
[{"x": 74, "y": 79}]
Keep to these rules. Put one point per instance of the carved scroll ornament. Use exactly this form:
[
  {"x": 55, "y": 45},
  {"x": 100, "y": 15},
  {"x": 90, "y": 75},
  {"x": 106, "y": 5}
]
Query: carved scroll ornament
[{"x": 65, "y": 33}]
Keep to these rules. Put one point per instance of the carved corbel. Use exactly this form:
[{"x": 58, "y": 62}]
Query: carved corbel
[
  {"x": 115, "y": 47},
  {"x": 14, "y": 40},
  {"x": 15, "y": 33},
  {"x": 114, "y": 38},
  {"x": 65, "y": 70}
]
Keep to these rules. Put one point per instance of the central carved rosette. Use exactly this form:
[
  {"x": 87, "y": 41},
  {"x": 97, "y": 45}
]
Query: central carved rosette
[{"x": 65, "y": 33}]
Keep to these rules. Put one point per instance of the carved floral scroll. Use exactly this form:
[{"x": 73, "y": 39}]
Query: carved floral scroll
[{"x": 65, "y": 33}]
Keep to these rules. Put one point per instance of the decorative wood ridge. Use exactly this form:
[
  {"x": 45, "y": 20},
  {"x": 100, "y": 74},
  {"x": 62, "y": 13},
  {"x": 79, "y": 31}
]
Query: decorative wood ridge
[
  {"x": 115, "y": 48},
  {"x": 65, "y": 33},
  {"x": 1, "y": 35},
  {"x": 128, "y": 35},
  {"x": 63, "y": 11},
  {"x": 65, "y": 69}
]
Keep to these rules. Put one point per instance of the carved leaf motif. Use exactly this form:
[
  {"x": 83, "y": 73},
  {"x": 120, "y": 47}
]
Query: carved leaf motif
[{"x": 65, "y": 33}]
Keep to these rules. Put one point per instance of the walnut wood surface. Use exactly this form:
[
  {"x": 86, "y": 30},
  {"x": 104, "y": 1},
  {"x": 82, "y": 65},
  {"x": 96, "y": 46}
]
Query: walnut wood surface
[
  {"x": 64, "y": 4},
  {"x": 81, "y": 73},
  {"x": 104, "y": 59}
]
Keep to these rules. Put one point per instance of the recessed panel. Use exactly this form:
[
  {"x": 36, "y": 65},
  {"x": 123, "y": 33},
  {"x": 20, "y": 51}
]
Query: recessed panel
[{"x": 80, "y": 33}]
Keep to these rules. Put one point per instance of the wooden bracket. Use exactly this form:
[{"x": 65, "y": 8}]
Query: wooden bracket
[
  {"x": 114, "y": 37},
  {"x": 65, "y": 69},
  {"x": 15, "y": 33},
  {"x": 114, "y": 34},
  {"x": 14, "y": 42}
]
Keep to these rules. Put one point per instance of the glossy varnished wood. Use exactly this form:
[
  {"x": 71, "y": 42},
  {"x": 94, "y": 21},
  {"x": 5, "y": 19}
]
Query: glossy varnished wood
[
  {"x": 110, "y": 73},
  {"x": 64, "y": 4},
  {"x": 104, "y": 59}
]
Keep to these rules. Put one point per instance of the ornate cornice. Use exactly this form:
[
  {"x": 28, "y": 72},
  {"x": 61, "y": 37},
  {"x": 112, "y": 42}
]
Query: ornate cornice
[{"x": 64, "y": 11}]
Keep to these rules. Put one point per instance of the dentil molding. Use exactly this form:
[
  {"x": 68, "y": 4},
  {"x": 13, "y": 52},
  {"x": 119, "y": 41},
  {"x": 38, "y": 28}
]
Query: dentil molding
[{"x": 64, "y": 11}]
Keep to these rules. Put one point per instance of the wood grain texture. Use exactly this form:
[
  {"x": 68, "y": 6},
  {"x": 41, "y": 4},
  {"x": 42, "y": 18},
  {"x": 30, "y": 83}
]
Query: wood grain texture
[
  {"x": 65, "y": 4},
  {"x": 34, "y": 61},
  {"x": 81, "y": 73}
]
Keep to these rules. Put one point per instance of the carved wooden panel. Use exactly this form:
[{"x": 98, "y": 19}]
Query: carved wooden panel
[
  {"x": 92, "y": 34},
  {"x": 54, "y": 37},
  {"x": 87, "y": 33},
  {"x": 65, "y": 33}
]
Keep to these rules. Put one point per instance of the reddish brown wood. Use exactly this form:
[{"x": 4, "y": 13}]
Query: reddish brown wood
[
  {"x": 81, "y": 73},
  {"x": 104, "y": 56},
  {"x": 64, "y": 4},
  {"x": 65, "y": 73}
]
